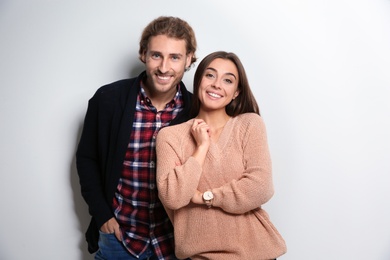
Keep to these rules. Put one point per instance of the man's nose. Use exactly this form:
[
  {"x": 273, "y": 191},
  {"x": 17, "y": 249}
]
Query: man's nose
[{"x": 164, "y": 66}]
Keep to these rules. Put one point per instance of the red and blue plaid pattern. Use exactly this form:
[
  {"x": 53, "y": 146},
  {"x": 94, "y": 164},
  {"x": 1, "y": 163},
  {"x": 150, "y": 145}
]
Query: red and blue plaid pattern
[{"x": 136, "y": 205}]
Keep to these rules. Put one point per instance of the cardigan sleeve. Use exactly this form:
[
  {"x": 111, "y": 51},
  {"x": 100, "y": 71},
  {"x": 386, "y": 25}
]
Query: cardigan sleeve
[
  {"x": 89, "y": 166},
  {"x": 255, "y": 187},
  {"x": 177, "y": 177}
]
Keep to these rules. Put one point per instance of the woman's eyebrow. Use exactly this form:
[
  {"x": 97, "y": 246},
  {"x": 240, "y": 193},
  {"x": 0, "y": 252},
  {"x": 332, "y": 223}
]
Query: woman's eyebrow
[{"x": 227, "y": 73}]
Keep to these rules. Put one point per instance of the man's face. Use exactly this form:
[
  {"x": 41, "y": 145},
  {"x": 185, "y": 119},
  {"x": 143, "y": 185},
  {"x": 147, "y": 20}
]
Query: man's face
[{"x": 166, "y": 61}]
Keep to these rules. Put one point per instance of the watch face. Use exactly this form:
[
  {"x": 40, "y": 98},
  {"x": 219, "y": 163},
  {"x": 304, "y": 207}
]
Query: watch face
[{"x": 208, "y": 195}]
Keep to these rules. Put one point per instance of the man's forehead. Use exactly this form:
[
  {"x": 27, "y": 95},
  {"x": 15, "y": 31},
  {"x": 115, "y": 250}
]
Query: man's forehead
[{"x": 167, "y": 45}]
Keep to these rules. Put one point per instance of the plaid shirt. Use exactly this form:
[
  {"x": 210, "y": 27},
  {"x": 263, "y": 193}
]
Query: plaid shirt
[{"x": 138, "y": 210}]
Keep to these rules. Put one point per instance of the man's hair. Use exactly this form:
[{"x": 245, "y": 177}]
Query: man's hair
[
  {"x": 172, "y": 27},
  {"x": 245, "y": 102}
]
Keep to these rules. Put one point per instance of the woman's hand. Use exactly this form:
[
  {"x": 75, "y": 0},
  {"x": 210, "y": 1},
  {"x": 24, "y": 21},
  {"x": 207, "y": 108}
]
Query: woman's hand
[
  {"x": 197, "y": 198},
  {"x": 200, "y": 131}
]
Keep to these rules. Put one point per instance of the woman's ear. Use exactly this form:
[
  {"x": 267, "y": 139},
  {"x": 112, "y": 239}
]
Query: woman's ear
[{"x": 236, "y": 94}]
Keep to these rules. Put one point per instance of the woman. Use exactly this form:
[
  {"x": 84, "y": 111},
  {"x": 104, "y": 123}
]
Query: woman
[{"x": 214, "y": 171}]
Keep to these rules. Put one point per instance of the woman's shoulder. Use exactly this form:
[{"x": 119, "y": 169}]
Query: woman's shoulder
[
  {"x": 248, "y": 118},
  {"x": 247, "y": 123},
  {"x": 176, "y": 130}
]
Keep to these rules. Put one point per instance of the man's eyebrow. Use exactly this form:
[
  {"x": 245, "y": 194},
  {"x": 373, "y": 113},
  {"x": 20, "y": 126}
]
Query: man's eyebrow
[
  {"x": 176, "y": 54},
  {"x": 228, "y": 73},
  {"x": 170, "y": 54}
]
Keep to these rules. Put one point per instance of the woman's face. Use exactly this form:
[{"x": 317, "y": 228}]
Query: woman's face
[{"x": 219, "y": 84}]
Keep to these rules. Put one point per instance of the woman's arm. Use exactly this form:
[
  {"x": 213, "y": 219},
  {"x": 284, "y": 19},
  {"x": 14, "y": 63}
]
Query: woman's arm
[
  {"x": 255, "y": 187},
  {"x": 177, "y": 177}
]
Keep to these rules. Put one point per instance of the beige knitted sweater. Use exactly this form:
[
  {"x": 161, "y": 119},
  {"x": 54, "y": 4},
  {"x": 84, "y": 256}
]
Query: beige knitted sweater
[{"x": 238, "y": 171}]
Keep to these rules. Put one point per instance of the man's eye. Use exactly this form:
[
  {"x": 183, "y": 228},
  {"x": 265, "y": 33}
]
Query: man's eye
[
  {"x": 175, "y": 57},
  {"x": 155, "y": 55}
]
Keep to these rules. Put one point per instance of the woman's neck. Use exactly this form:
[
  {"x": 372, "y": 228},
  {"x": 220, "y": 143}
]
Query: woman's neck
[{"x": 215, "y": 120}]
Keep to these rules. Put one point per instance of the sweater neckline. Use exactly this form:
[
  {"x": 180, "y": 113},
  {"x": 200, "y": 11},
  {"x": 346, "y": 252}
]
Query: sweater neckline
[{"x": 220, "y": 144}]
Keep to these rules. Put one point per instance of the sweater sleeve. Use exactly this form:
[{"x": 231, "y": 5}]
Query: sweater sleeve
[
  {"x": 255, "y": 187},
  {"x": 177, "y": 177}
]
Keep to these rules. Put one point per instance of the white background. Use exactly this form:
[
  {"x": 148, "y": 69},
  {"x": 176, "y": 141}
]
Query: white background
[{"x": 319, "y": 69}]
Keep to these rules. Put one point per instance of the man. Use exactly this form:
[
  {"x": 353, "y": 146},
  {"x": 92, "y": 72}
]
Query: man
[{"x": 116, "y": 154}]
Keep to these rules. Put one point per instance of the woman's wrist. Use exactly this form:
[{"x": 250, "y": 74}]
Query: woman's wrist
[{"x": 197, "y": 198}]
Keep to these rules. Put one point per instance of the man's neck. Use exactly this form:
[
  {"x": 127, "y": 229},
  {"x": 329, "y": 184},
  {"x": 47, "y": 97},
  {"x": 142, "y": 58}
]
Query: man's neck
[{"x": 159, "y": 99}]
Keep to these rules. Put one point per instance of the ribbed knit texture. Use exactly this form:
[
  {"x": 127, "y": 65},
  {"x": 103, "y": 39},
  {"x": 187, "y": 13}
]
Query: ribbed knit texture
[{"x": 238, "y": 171}]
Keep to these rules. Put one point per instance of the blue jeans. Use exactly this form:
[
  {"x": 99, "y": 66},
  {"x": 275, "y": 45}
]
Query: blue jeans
[{"x": 110, "y": 248}]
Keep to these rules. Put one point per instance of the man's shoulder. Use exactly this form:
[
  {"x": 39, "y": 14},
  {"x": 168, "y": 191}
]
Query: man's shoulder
[
  {"x": 119, "y": 85},
  {"x": 117, "y": 91}
]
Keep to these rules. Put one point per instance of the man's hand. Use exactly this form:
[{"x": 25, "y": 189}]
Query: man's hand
[{"x": 112, "y": 227}]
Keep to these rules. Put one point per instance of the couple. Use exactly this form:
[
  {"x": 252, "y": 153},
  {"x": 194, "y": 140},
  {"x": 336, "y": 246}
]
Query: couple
[{"x": 195, "y": 190}]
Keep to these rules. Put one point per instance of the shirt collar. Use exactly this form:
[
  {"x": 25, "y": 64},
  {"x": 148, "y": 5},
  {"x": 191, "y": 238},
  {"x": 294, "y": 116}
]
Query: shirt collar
[{"x": 174, "y": 102}]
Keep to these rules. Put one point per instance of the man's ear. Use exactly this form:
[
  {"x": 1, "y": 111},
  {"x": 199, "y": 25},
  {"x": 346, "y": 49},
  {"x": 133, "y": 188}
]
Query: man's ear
[
  {"x": 143, "y": 57},
  {"x": 189, "y": 59}
]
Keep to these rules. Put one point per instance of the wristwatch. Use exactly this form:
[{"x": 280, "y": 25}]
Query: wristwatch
[{"x": 208, "y": 197}]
